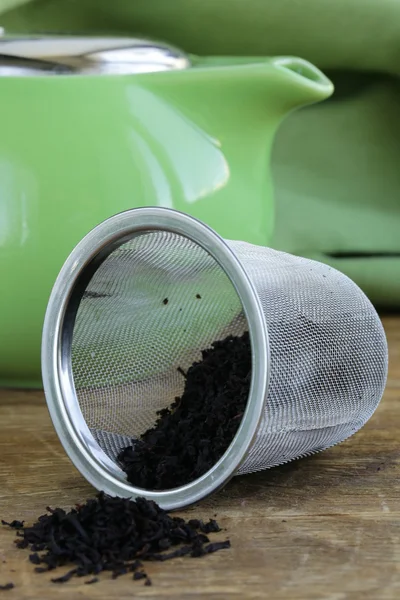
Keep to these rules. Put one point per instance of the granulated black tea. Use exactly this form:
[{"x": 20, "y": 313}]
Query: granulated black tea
[
  {"x": 194, "y": 432},
  {"x": 113, "y": 534},
  {"x": 14, "y": 524},
  {"x": 7, "y": 586}
]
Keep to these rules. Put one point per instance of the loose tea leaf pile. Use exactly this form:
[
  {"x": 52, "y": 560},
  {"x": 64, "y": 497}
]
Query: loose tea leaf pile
[
  {"x": 191, "y": 435},
  {"x": 113, "y": 534}
]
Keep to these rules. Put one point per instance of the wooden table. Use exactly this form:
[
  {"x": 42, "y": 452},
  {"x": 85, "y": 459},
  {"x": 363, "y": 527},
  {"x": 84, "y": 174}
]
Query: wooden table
[{"x": 326, "y": 527}]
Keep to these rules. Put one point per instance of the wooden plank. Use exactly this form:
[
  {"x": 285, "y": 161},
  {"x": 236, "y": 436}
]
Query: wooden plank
[{"x": 323, "y": 527}]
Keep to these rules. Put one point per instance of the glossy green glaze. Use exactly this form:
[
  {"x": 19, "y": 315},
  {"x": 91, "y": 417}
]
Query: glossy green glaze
[{"x": 75, "y": 150}]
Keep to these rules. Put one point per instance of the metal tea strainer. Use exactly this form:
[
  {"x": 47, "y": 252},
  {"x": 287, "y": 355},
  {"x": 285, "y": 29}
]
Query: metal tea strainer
[{"x": 112, "y": 346}]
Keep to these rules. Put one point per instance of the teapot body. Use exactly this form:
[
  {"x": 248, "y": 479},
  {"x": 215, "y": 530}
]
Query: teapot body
[{"x": 90, "y": 127}]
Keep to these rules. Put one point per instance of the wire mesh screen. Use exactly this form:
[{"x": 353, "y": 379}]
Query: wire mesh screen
[
  {"x": 158, "y": 300},
  {"x": 150, "y": 309},
  {"x": 328, "y": 355}
]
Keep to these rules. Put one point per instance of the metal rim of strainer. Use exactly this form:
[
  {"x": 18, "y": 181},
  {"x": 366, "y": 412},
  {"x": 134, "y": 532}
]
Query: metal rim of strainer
[{"x": 73, "y": 432}]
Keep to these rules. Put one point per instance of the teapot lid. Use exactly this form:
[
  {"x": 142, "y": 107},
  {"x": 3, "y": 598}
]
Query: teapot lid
[{"x": 85, "y": 55}]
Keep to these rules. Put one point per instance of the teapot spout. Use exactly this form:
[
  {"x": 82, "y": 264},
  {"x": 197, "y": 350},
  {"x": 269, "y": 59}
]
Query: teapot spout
[
  {"x": 289, "y": 81},
  {"x": 299, "y": 82}
]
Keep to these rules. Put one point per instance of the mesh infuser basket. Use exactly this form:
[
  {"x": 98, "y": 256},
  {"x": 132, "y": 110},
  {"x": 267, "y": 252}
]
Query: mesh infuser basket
[{"x": 112, "y": 345}]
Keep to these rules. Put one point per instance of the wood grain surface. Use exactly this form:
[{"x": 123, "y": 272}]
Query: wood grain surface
[{"x": 326, "y": 527}]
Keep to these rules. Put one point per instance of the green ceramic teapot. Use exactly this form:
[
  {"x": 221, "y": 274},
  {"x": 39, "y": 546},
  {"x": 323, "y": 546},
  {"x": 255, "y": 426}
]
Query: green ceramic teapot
[{"x": 93, "y": 126}]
